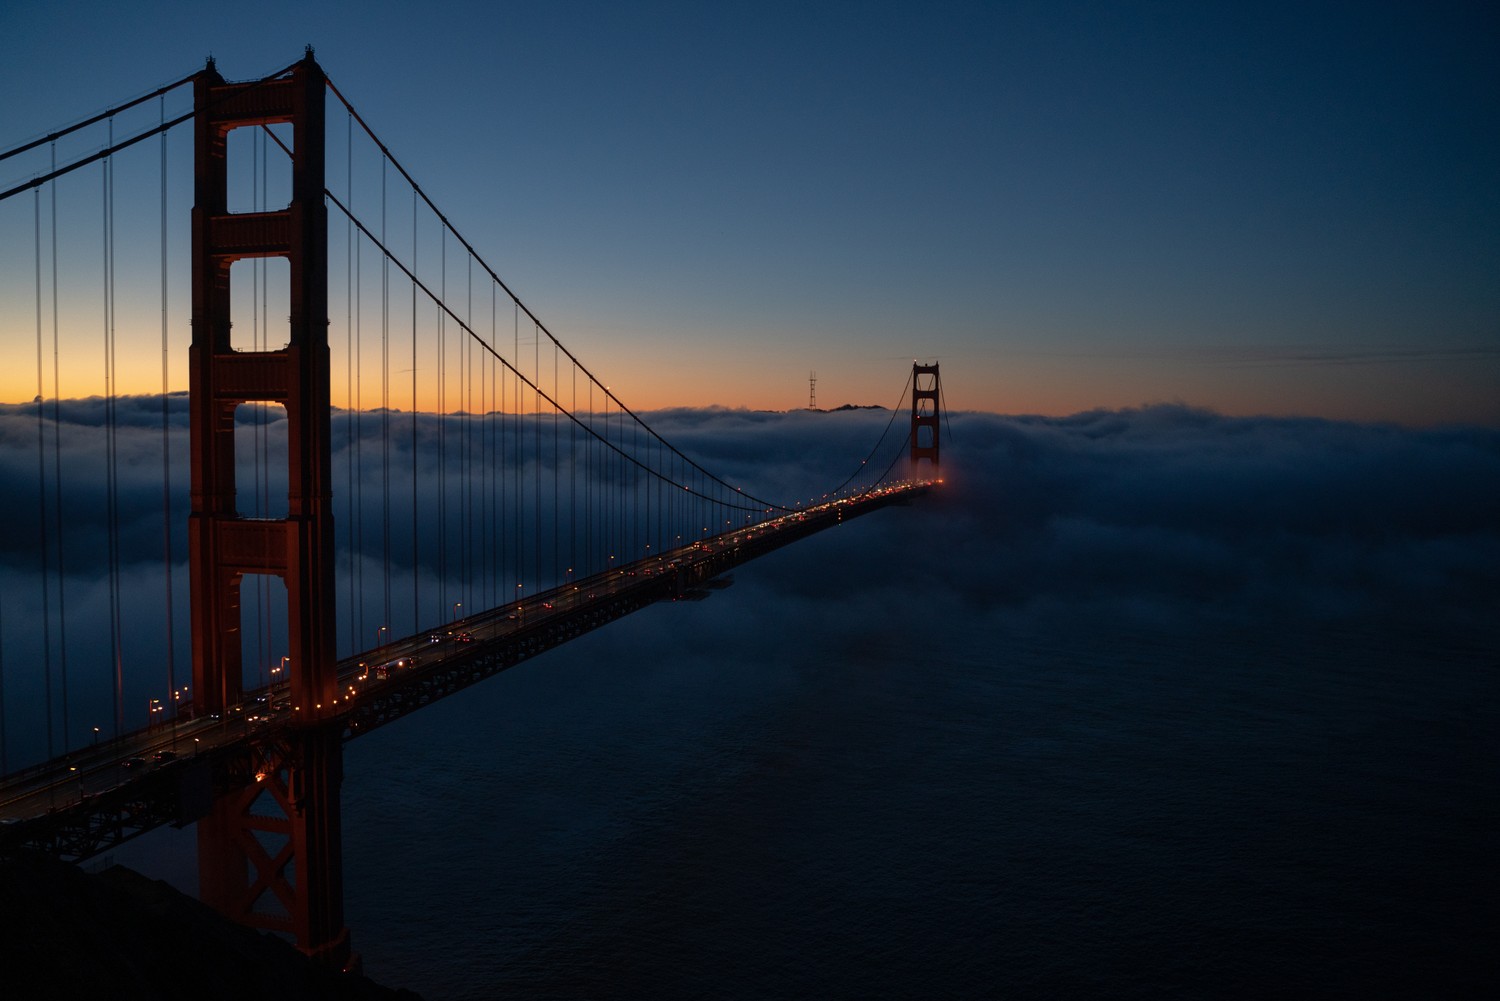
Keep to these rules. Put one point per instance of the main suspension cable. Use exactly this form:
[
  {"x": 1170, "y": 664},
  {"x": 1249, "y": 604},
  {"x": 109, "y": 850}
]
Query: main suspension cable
[
  {"x": 894, "y": 411},
  {"x": 115, "y": 147},
  {"x": 101, "y": 116},
  {"x": 494, "y": 276},
  {"x": 534, "y": 387}
]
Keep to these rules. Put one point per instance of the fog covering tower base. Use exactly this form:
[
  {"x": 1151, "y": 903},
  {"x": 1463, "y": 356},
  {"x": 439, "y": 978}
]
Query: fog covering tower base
[
  {"x": 269, "y": 856},
  {"x": 926, "y": 388}
]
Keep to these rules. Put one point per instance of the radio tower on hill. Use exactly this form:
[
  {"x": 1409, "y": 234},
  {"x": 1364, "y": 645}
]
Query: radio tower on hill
[{"x": 812, "y": 390}]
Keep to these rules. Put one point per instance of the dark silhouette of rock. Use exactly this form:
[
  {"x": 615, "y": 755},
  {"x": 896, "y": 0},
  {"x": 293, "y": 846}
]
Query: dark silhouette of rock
[{"x": 66, "y": 933}]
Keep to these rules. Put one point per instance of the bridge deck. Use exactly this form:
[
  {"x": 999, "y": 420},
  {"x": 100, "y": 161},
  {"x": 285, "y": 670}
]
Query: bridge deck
[{"x": 84, "y": 803}]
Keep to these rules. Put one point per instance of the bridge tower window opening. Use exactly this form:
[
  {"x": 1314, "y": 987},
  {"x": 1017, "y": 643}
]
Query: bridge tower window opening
[
  {"x": 261, "y": 459},
  {"x": 263, "y": 629},
  {"x": 260, "y": 304},
  {"x": 259, "y": 172}
]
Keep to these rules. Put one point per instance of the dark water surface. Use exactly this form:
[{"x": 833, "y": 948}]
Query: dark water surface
[{"x": 1093, "y": 808}]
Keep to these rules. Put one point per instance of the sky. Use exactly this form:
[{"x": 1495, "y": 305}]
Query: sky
[{"x": 1267, "y": 208}]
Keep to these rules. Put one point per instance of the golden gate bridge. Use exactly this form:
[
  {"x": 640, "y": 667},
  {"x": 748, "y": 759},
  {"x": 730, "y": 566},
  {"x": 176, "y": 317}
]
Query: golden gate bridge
[{"x": 517, "y": 502}]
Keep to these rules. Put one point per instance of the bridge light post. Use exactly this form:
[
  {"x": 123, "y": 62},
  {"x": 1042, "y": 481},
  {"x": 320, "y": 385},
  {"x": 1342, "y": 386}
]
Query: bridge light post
[
  {"x": 457, "y": 606},
  {"x": 382, "y": 629}
]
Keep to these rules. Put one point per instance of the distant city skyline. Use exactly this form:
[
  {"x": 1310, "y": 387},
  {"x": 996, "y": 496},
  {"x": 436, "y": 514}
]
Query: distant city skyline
[{"x": 1261, "y": 209}]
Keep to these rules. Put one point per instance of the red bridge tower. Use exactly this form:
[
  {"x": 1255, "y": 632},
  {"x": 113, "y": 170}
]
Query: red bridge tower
[
  {"x": 926, "y": 387},
  {"x": 269, "y": 855}
]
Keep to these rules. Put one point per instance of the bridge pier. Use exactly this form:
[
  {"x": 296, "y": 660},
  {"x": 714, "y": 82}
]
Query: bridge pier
[{"x": 270, "y": 853}]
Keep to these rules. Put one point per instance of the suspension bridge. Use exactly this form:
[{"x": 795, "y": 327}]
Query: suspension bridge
[{"x": 395, "y": 473}]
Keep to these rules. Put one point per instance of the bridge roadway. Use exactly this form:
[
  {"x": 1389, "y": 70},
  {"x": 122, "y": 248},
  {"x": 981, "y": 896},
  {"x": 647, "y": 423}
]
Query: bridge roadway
[{"x": 83, "y": 803}]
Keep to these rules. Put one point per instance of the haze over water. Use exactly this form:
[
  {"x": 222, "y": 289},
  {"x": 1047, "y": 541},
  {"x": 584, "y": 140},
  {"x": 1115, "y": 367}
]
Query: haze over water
[{"x": 1143, "y": 704}]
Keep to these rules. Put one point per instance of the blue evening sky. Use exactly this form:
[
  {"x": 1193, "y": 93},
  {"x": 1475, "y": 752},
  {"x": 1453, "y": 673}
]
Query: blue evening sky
[{"x": 1285, "y": 208}]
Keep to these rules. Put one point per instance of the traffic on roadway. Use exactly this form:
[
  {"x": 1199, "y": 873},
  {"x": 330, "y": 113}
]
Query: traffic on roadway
[{"x": 109, "y": 764}]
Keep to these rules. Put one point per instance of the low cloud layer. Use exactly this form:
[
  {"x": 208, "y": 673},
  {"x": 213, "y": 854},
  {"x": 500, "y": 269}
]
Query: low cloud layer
[{"x": 1167, "y": 515}]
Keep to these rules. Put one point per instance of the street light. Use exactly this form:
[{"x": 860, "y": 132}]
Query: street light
[
  {"x": 456, "y": 606},
  {"x": 382, "y": 629}
]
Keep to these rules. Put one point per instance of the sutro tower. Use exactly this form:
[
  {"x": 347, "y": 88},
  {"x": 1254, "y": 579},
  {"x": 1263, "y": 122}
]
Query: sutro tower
[{"x": 812, "y": 390}]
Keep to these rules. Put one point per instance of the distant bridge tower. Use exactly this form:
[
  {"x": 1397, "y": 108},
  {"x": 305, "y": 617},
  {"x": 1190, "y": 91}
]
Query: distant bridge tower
[
  {"x": 926, "y": 386},
  {"x": 269, "y": 855}
]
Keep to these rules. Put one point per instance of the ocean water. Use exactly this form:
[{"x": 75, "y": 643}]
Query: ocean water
[{"x": 1062, "y": 808}]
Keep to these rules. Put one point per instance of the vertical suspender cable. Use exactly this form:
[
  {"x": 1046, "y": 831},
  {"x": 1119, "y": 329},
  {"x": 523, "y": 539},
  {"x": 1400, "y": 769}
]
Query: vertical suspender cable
[
  {"x": 351, "y": 414},
  {"x": 507, "y": 457},
  {"x": 264, "y": 415},
  {"x": 556, "y": 524},
  {"x": 536, "y": 437},
  {"x": 111, "y": 452},
  {"x": 489, "y": 459},
  {"x": 506, "y": 593},
  {"x": 41, "y": 480},
  {"x": 260, "y": 584},
  {"x": 358, "y": 476},
  {"x": 62, "y": 577},
  {"x": 416, "y": 562},
  {"x": 573, "y": 475},
  {"x": 166, "y": 438},
  {"x": 520, "y": 465},
  {"x": 491, "y": 569},
  {"x": 442, "y": 417},
  {"x": 588, "y": 486},
  {"x": 635, "y": 493},
  {"x": 4, "y": 760},
  {"x": 385, "y": 406},
  {"x": 466, "y": 376}
]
